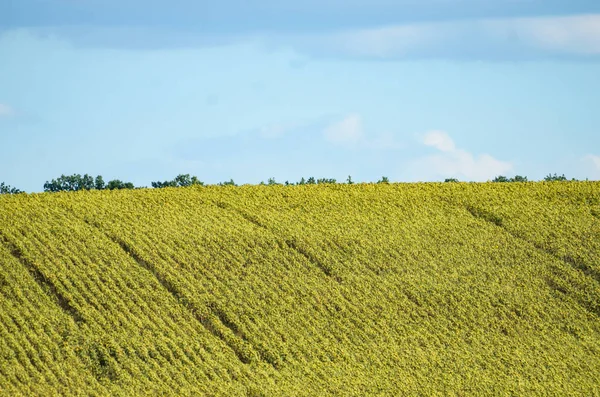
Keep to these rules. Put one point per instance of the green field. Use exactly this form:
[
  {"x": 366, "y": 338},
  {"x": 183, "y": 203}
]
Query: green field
[{"x": 316, "y": 290}]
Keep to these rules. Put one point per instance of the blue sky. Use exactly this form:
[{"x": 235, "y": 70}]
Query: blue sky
[{"x": 413, "y": 90}]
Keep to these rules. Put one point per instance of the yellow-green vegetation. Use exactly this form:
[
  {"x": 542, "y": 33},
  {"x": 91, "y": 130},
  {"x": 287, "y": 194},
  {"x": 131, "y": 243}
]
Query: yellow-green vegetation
[{"x": 349, "y": 290}]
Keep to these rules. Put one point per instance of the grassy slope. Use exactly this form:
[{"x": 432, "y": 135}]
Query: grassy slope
[{"x": 309, "y": 290}]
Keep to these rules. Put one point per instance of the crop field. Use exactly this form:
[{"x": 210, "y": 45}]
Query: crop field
[{"x": 316, "y": 290}]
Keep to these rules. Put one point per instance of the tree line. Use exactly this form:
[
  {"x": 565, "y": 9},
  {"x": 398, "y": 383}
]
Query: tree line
[{"x": 77, "y": 182}]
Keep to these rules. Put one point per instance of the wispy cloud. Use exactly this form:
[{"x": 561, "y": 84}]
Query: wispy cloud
[
  {"x": 457, "y": 163},
  {"x": 569, "y": 34},
  {"x": 439, "y": 140},
  {"x": 346, "y": 132},
  {"x": 593, "y": 162},
  {"x": 6, "y": 110},
  {"x": 375, "y": 29},
  {"x": 485, "y": 39}
]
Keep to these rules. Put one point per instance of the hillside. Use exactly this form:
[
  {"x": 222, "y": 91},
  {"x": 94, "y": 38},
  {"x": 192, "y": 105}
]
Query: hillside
[{"x": 350, "y": 290}]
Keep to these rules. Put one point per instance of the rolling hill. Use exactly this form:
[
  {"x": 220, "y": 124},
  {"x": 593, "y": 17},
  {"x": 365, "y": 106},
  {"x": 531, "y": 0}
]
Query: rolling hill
[{"x": 350, "y": 290}]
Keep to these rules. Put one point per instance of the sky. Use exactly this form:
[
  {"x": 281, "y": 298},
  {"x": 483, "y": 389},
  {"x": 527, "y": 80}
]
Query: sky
[{"x": 250, "y": 90}]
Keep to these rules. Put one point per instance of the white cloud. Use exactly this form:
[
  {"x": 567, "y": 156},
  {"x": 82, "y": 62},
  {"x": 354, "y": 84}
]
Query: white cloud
[
  {"x": 6, "y": 111},
  {"x": 454, "y": 162},
  {"x": 348, "y": 131},
  {"x": 440, "y": 140},
  {"x": 492, "y": 38},
  {"x": 594, "y": 163},
  {"x": 571, "y": 34}
]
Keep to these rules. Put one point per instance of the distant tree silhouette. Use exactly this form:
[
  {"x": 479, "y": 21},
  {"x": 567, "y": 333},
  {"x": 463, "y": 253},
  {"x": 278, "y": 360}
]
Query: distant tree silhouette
[
  {"x": 117, "y": 185},
  {"x": 227, "y": 183},
  {"x": 180, "y": 180},
  {"x": 70, "y": 183},
  {"x": 7, "y": 189},
  {"x": 326, "y": 180},
  {"x": 518, "y": 178},
  {"x": 556, "y": 178},
  {"x": 99, "y": 183},
  {"x": 501, "y": 178},
  {"x": 75, "y": 182}
]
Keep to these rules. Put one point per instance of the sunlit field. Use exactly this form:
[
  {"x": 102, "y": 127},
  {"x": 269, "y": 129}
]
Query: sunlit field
[{"x": 350, "y": 290}]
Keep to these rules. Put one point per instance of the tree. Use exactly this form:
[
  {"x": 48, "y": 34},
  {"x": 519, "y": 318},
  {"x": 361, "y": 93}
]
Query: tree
[
  {"x": 99, "y": 184},
  {"x": 272, "y": 182},
  {"x": 160, "y": 185},
  {"x": 518, "y": 178},
  {"x": 326, "y": 180},
  {"x": 187, "y": 180},
  {"x": 116, "y": 184},
  {"x": 227, "y": 183},
  {"x": 384, "y": 179},
  {"x": 451, "y": 180},
  {"x": 555, "y": 178},
  {"x": 7, "y": 189},
  {"x": 501, "y": 178},
  {"x": 180, "y": 180},
  {"x": 70, "y": 183},
  {"x": 349, "y": 180},
  {"x": 75, "y": 182}
]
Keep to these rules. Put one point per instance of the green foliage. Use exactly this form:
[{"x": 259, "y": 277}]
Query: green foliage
[
  {"x": 451, "y": 180},
  {"x": 272, "y": 182},
  {"x": 518, "y": 178},
  {"x": 184, "y": 180},
  {"x": 116, "y": 184},
  {"x": 99, "y": 183},
  {"x": 71, "y": 183},
  {"x": 227, "y": 183},
  {"x": 313, "y": 181},
  {"x": 557, "y": 178},
  {"x": 7, "y": 189},
  {"x": 501, "y": 178},
  {"x": 77, "y": 182},
  {"x": 326, "y": 180},
  {"x": 384, "y": 179},
  {"x": 349, "y": 181},
  {"x": 181, "y": 180}
]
